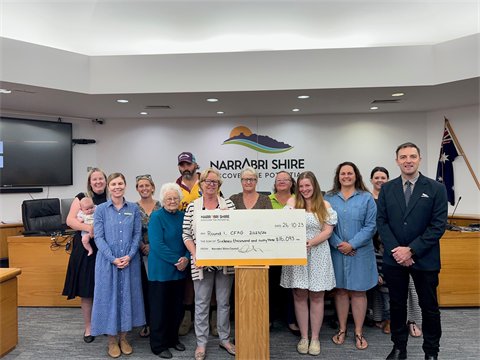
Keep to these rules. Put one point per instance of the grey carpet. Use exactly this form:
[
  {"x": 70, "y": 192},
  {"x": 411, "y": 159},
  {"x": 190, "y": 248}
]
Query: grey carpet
[{"x": 56, "y": 333}]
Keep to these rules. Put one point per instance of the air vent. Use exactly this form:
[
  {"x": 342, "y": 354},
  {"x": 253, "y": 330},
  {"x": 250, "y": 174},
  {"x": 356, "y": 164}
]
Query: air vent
[
  {"x": 392, "y": 101},
  {"x": 25, "y": 91},
  {"x": 157, "y": 107}
]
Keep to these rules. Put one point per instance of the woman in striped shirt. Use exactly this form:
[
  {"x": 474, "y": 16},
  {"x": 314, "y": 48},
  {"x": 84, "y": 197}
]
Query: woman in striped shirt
[{"x": 204, "y": 278}]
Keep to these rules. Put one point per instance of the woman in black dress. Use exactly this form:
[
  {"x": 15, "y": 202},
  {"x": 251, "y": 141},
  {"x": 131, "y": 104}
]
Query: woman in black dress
[{"x": 80, "y": 278}]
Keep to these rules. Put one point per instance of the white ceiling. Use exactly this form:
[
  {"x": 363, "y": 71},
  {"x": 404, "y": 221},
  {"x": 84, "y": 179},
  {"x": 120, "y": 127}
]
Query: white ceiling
[
  {"x": 164, "y": 27},
  {"x": 249, "y": 103}
]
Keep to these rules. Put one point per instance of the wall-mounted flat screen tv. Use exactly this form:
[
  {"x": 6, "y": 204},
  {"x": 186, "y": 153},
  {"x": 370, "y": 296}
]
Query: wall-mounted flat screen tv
[{"x": 35, "y": 153}]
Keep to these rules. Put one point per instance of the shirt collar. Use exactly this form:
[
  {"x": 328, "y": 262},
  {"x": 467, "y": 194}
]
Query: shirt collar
[
  {"x": 412, "y": 181},
  {"x": 341, "y": 195},
  {"x": 110, "y": 203}
]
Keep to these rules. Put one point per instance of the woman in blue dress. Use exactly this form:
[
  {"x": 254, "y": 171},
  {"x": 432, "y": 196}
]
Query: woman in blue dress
[
  {"x": 118, "y": 299},
  {"x": 352, "y": 249}
]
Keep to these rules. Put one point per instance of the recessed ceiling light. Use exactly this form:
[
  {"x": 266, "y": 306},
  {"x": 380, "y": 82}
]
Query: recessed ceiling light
[
  {"x": 374, "y": 108},
  {"x": 303, "y": 97},
  {"x": 122, "y": 101},
  {"x": 295, "y": 110},
  {"x": 143, "y": 113},
  {"x": 398, "y": 94},
  {"x": 212, "y": 100},
  {"x": 5, "y": 91},
  {"x": 220, "y": 112}
]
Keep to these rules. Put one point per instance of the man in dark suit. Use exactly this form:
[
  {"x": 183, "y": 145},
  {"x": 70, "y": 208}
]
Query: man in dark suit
[{"x": 411, "y": 219}]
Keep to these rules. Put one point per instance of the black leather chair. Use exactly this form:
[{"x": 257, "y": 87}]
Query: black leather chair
[{"x": 42, "y": 215}]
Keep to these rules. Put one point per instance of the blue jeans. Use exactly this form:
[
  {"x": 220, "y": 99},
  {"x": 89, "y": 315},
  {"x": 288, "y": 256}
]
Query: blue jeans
[{"x": 386, "y": 306}]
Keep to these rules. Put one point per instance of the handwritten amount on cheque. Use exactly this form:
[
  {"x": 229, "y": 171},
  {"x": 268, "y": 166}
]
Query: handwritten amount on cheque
[{"x": 286, "y": 238}]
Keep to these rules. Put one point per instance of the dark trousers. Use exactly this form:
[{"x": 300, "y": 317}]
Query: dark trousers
[
  {"x": 279, "y": 297},
  {"x": 145, "y": 292},
  {"x": 166, "y": 313},
  {"x": 426, "y": 282}
]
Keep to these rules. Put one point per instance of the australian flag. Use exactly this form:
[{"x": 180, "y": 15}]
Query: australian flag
[{"x": 448, "y": 153}]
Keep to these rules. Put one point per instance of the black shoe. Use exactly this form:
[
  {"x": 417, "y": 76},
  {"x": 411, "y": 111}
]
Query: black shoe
[
  {"x": 294, "y": 332},
  {"x": 397, "y": 354},
  {"x": 165, "y": 354},
  {"x": 179, "y": 346},
  {"x": 431, "y": 357},
  {"x": 88, "y": 338}
]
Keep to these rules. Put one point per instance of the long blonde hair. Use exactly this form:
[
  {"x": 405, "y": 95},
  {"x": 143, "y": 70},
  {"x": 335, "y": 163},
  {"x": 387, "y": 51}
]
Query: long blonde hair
[{"x": 318, "y": 207}]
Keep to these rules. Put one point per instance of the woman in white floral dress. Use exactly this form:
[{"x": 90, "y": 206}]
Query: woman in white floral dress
[{"x": 310, "y": 281}]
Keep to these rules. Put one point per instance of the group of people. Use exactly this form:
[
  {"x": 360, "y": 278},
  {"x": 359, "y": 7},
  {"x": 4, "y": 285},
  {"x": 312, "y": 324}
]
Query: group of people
[{"x": 136, "y": 266}]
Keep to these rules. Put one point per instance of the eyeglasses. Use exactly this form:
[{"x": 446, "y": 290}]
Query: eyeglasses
[
  {"x": 146, "y": 176},
  {"x": 174, "y": 199},
  {"x": 282, "y": 180},
  {"x": 213, "y": 182},
  {"x": 247, "y": 180}
]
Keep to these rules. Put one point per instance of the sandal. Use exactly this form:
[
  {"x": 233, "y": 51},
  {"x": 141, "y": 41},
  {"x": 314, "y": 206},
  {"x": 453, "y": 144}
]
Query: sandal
[
  {"x": 363, "y": 342},
  {"x": 200, "y": 355},
  {"x": 414, "y": 330},
  {"x": 145, "y": 332},
  {"x": 230, "y": 348},
  {"x": 336, "y": 337}
]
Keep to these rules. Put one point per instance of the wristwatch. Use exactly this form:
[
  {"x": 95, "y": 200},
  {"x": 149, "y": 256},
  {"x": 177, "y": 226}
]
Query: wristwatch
[{"x": 412, "y": 252}]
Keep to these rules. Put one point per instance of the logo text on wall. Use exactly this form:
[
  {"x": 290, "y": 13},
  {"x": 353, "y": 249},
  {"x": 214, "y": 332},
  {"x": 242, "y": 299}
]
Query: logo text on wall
[{"x": 242, "y": 135}]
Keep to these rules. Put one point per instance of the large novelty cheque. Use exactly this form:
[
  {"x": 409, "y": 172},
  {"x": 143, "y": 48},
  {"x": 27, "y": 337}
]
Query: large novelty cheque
[{"x": 251, "y": 237}]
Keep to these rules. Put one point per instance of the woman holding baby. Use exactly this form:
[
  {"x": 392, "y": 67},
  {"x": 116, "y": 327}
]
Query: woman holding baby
[{"x": 80, "y": 278}]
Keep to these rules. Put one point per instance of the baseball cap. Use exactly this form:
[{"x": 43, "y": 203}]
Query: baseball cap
[{"x": 186, "y": 156}]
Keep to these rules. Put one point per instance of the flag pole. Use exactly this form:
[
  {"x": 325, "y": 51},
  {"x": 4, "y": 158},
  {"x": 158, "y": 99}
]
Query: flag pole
[{"x": 462, "y": 153}]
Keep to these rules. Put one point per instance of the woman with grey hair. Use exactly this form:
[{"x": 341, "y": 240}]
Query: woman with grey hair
[
  {"x": 250, "y": 198},
  {"x": 167, "y": 261},
  {"x": 204, "y": 278}
]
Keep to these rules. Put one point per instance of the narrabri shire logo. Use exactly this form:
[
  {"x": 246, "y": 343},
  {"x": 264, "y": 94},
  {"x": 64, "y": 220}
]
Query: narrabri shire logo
[{"x": 242, "y": 135}]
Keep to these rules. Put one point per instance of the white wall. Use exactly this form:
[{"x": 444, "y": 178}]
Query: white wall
[
  {"x": 465, "y": 122},
  {"x": 151, "y": 146}
]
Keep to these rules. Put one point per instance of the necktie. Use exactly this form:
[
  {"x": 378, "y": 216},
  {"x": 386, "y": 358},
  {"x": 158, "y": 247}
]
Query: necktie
[{"x": 408, "y": 192}]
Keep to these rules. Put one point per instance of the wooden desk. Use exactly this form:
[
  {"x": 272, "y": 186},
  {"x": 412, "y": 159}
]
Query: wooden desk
[
  {"x": 8, "y": 310},
  {"x": 7, "y": 230},
  {"x": 43, "y": 271},
  {"x": 460, "y": 274}
]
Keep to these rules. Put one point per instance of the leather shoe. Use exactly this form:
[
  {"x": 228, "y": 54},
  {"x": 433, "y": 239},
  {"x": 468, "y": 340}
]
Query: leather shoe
[
  {"x": 431, "y": 356},
  {"x": 179, "y": 346},
  {"x": 397, "y": 354},
  {"x": 166, "y": 354},
  {"x": 88, "y": 338},
  {"x": 386, "y": 328}
]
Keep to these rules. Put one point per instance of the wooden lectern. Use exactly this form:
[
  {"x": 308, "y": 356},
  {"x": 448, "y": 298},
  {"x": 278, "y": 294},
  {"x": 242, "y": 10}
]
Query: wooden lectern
[{"x": 252, "y": 335}]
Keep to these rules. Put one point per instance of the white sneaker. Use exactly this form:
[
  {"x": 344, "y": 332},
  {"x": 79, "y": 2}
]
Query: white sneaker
[
  {"x": 302, "y": 346},
  {"x": 314, "y": 348}
]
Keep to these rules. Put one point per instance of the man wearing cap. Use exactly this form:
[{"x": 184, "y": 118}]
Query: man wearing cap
[{"x": 188, "y": 181}]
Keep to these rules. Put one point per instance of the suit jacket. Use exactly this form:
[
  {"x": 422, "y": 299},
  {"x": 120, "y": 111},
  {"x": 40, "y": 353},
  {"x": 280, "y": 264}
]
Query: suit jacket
[{"x": 420, "y": 226}]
